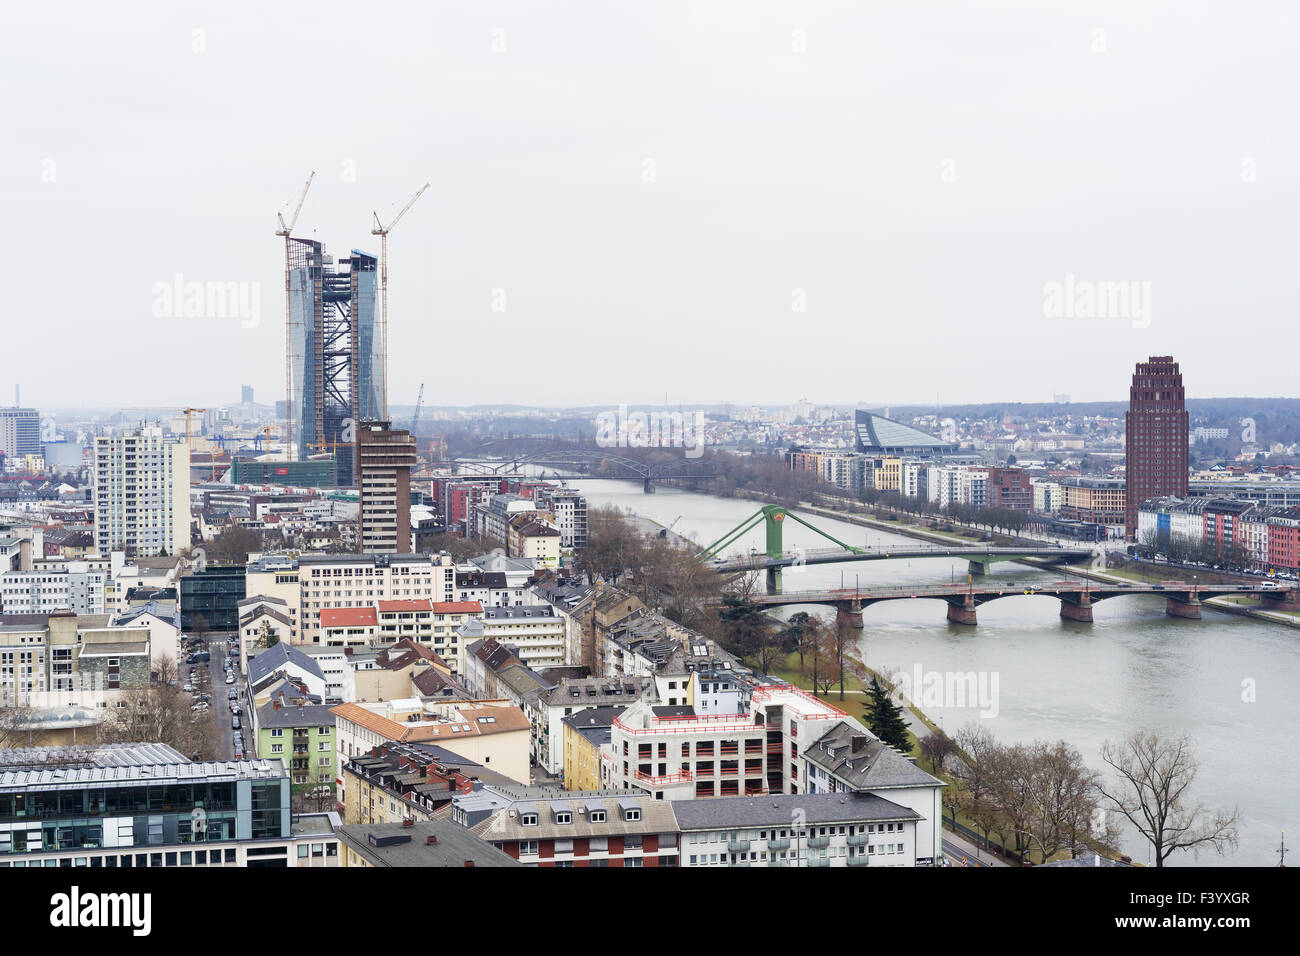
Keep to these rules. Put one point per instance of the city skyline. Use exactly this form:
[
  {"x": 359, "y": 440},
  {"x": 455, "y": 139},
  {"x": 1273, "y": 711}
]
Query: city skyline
[{"x": 827, "y": 236}]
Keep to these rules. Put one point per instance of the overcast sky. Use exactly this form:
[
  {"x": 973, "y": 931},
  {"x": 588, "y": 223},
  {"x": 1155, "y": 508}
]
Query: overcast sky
[{"x": 739, "y": 201}]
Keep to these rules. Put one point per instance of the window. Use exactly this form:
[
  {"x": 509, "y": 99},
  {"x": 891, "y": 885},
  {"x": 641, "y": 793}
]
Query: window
[
  {"x": 563, "y": 818},
  {"x": 632, "y": 814},
  {"x": 528, "y": 819},
  {"x": 596, "y": 816}
]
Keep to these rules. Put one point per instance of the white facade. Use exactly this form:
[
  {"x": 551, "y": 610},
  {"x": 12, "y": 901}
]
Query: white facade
[
  {"x": 850, "y": 843},
  {"x": 79, "y": 586},
  {"x": 335, "y": 581},
  {"x": 142, "y": 501}
]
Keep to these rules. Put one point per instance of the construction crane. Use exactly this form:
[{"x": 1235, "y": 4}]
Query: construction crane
[
  {"x": 382, "y": 232},
  {"x": 187, "y": 412},
  {"x": 415, "y": 419},
  {"x": 286, "y": 230}
]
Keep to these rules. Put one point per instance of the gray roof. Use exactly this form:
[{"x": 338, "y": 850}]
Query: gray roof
[
  {"x": 455, "y": 845},
  {"x": 290, "y": 715},
  {"x": 277, "y": 656},
  {"x": 874, "y": 766},
  {"x": 779, "y": 810}
]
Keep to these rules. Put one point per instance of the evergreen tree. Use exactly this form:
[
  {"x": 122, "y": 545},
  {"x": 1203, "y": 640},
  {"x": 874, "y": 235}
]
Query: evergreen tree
[{"x": 885, "y": 718}]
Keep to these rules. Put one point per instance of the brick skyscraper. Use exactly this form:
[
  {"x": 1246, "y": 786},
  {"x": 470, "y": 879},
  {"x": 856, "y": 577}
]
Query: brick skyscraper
[{"x": 1155, "y": 445}]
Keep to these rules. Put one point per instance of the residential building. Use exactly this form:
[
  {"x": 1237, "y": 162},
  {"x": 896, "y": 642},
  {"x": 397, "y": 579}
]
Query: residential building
[
  {"x": 580, "y": 829},
  {"x": 586, "y": 733},
  {"x": 385, "y": 457},
  {"x": 489, "y": 733},
  {"x": 432, "y": 843},
  {"x": 20, "y": 432},
  {"x": 302, "y": 735},
  {"x": 142, "y": 502},
  {"x": 803, "y": 830}
]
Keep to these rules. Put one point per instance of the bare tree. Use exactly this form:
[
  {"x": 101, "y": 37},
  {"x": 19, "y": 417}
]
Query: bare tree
[
  {"x": 162, "y": 713},
  {"x": 1155, "y": 775},
  {"x": 936, "y": 748},
  {"x": 15, "y": 721}
]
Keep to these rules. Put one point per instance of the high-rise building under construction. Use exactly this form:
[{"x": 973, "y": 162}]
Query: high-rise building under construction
[{"x": 335, "y": 354}]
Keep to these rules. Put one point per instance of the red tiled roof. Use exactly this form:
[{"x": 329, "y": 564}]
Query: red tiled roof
[
  {"x": 386, "y": 607},
  {"x": 457, "y": 607},
  {"x": 347, "y": 616}
]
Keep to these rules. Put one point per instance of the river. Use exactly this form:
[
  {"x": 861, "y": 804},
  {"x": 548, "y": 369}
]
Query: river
[{"x": 1227, "y": 681}]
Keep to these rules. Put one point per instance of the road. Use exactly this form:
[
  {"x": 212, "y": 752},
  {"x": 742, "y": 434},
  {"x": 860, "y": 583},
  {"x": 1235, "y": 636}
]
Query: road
[{"x": 211, "y": 678}]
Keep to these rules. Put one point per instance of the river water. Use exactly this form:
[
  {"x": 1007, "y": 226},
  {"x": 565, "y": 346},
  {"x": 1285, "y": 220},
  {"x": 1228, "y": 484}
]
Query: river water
[{"x": 1230, "y": 682}]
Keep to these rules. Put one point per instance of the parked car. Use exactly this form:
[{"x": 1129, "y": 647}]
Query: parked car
[
  {"x": 230, "y": 678},
  {"x": 234, "y": 723},
  {"x": 188, "y": 688}
]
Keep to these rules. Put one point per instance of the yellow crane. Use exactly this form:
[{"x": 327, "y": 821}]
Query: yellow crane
[
  {"x": 188, "y": 411},
  {"x": 285, "y": 230},
  {"x": 382, "y": 231}
]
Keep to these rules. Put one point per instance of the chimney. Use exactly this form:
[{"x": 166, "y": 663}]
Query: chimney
[
  {"x": 275, "y": 704},
  {"x": 859, "y": 741},
  {"x": 408, "y": 823},
  {"x": 431, "y": 840},
  {"x": 469, "y": 862}
]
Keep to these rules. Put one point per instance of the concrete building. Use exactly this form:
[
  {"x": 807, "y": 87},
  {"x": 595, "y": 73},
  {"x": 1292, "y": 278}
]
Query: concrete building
[
  {"x": 78, "y": 586},
  {"x": 570, "y": 511},
  {"x": 1155, "y": 437},
  {"x": 385, "y": 457},
  {"x": 20, "y": 432},
  {"x": 489, "y": 733},
  {"x": 804, "y": 830},
  {"x": 145, "y": 805},
  {"x": 346, "y": 580},
  {"x": 142, "y": 502},
  {"x": 537, "y": 633},
  {"x": 433, "y": 843}
]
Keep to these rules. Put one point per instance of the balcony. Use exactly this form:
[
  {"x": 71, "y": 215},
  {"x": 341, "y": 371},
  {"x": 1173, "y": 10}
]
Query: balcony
[
  {"x": 737, "y": 846},
  {"x": 776, "y": 846},
  {"x": 859, "y": 861},
  {"x": 819, "y": 843},
  {"x": 858, "y": 839},
  {"x": 819, "y": 861}
]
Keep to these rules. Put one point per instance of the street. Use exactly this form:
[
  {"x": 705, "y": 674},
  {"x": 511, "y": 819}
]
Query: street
[{"x": 210, "y": 678}]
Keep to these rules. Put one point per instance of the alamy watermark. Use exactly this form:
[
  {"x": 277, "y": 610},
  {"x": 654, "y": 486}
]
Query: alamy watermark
[
  {"x": 1076, "y": 298},
  {"x": 180, "y": 299},
  {"x": 956, "y": 689},
  {"x": 621, "y": 429}
]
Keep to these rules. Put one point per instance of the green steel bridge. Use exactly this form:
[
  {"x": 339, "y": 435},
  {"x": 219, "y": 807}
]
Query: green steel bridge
[{"x": 775, "y": 557}]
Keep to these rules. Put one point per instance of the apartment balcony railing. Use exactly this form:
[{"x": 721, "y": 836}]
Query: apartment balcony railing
[
  {"x": 738, "y": 846},
  {"x": 819, "y": 843},
  {"x": 858, "y": 839},
  {"x": 662, "y": 779},
  {"x": 819, "y": 861},
  {"x": 775, "y": 846},
  {"x": 859, "y": 861},
  {"x": 740, "y": 863}
]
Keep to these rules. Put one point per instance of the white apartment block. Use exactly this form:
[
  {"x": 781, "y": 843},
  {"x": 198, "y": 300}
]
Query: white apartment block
[
  {"x": 538, "y": 632},
  {"x": 50, "y": 586},
  {"x": 142, "y": 500},
  {"x": 796, "y": 831},
  {"x": 358, "y": 580}
]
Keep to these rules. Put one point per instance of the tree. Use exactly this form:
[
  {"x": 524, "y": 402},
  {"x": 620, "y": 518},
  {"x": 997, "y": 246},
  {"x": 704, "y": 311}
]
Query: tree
[
  {"x": 268, "y": 637},
  {"x": 233, "y": 545},
  {"x": 797, "y": 631},
  {"x": 161, "y": 713},
  {"x": 1155, "y": 775},
  {"x": 936, "y": 748},
  {"x": 884, "y": 718},
  {"x": 15, "y": 721}
]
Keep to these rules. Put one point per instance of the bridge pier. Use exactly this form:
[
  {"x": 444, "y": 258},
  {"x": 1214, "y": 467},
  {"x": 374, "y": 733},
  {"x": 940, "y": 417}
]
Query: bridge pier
[
  {"x": 962, "y": 611},
  {"x": 978, "y": 566},
  {"x": 1279, "y": 600},
  {"x": 773, "y": 580},
  {"x": 648, "y": 485},
  {"x": 1188, "y": 607},
  {"x": 849, "y": 613},
  {"x": 1077, "y": 607}
]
